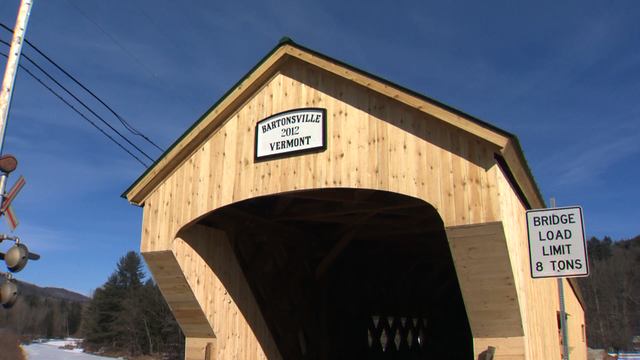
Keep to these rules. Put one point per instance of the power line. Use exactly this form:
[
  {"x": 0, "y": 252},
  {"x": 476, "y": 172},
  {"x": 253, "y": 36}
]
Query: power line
[
  {"x": 130, "y": 54},
  {"x": 83, "y": 104},
  {"x": 122, "y": 120},
  {"x": 81, "y": 114}
]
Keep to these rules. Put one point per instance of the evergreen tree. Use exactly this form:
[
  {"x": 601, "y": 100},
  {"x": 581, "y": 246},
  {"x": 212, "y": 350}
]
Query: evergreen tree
[
  {"x": 100, "y": 320},
  {"x": 130, "y": 315},
  {"x": 49, "y": 322},
  {"x": 129, "y": 273},
  {"x": 611, "y": 293},
  {"x": 75, "y": 317}
]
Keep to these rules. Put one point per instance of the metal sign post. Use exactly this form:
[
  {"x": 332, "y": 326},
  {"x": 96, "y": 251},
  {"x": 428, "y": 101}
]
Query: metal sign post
[
  {"x": 563, "y": 320},
  {"x": 563, "y": 314},
  {"x": 558, "y": 248}
]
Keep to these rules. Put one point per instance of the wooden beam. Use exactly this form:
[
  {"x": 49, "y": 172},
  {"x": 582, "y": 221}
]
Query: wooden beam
[
  {"x": 329, "y": 194},
  {"x": 208, "y": 352},
  {"x": 281, "y": 205},
  {"x": 349, "y": 230},
  {"x": 258, "y": 263},
  {"x": 175, "y": 288},
  {"x": 362, "y": 194},
  {"x": 250, "y": 222},
  {"x": 315, "y": 211},
  {"x": 486, "y": 276},
  {"x": 410, "y": 268},
  {"x": 199, "y": 348},
  {"x": 399, "y": 222},
  {"x": 426, "y": 230},
  {"x": 334, "y": 252},
  {"x": 426, "y": 213}
]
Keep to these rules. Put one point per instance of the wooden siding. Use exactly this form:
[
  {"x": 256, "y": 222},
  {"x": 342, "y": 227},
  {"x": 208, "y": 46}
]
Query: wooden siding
[
  {"x": 199, "y": 348},
  {"x": 174, "y": 286},
  {"x": 374, "y": 142},
  {"x": 505, "y": 348},
  {"x": 270, "y": 66},
  {"x": 481, "y": 259},
  {"x": 575, "y": 324},
  {"x": 219, "y": 285},
  {"x": 538, "y": 298}
]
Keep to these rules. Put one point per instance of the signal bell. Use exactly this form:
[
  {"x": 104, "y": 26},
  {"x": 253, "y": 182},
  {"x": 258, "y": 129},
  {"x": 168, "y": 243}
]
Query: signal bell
[
  {"x": 17, "y": 257},
  {"x": 9, "y": 293}
]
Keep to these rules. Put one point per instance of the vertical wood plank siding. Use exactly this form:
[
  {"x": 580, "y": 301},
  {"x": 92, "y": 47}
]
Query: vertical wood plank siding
[
  {"x": 374, "y": 142},
  {"x": 484, "y": 270},
  {"x": 217, "y": 281},
  {"x": 538, "y": 298}
]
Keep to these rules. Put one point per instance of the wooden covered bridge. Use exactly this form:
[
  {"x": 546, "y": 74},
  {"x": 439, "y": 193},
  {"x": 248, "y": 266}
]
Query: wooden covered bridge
[{"x": 317, "y": 211}]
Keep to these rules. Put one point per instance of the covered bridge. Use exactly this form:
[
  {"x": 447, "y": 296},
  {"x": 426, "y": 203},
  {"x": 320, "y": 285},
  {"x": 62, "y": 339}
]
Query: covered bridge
[{"x": 317, "y": 211}]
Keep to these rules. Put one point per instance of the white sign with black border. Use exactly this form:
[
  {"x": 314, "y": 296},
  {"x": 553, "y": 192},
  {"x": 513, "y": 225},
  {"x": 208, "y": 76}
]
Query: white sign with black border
[
  {"x": 291, "y": 132},
  {"x": 557, "y": 243}
]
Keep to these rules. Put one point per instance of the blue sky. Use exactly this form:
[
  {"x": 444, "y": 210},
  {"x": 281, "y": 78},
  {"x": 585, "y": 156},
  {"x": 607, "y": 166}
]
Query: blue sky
[{"x": 563, "y": 76}]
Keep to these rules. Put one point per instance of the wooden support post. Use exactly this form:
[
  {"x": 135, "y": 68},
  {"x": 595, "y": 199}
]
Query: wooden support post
[
  {"x": 489, "y": 353},
  {"x": 208, "y": 351},
  {"x": 200, "y": 348}
]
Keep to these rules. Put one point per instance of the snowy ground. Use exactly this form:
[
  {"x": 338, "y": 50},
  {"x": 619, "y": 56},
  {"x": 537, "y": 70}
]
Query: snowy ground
[
  {"x": 51, "y": 351},
  {"x": 622, "y": 356}
]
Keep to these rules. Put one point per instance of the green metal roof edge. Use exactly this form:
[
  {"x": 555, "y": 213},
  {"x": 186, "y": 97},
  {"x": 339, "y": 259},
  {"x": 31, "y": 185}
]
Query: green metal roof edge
[{"x": 287, "y": 41}]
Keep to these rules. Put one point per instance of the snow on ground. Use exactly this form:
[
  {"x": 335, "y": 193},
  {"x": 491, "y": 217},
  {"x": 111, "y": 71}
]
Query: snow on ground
[
  {"x": 622, "y": 356},
  {"x": 50, "y": 350}
]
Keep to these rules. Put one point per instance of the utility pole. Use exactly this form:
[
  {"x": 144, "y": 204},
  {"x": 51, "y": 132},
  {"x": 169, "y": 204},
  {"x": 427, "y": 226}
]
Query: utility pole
[
  {"x": 18, "y": 255},
  {"x": 10, "y": 77}
]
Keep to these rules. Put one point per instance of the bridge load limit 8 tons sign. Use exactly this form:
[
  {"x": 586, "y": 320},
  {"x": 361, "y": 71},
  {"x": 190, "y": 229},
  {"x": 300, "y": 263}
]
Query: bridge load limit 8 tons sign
[{"x": 557, "y": 243}]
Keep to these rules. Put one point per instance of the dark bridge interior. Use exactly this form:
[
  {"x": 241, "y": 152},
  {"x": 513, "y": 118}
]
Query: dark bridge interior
[{"x": 350, "y": 274}]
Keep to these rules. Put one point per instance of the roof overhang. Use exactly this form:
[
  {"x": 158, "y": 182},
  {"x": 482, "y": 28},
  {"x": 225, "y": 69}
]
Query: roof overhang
[{"x": 505, "y": 143}]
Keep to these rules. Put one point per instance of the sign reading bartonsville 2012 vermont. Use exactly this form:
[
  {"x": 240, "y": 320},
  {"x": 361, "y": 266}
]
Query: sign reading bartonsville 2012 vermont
[
  {"x": 291, "y": 131},
  {"x": 557, "y": 243}
]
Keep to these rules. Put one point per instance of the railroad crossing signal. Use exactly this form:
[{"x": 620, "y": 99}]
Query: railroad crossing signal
[
  {"x": 16, "y": 259},
  {"x": 18, "y": 255},
  {"x": 6, "y": 209},
  {"x": 9, "y": 293}
]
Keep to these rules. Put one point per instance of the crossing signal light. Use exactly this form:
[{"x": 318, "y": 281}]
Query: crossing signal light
[
  {"x": 8, "y": 163},
  {"x": 16, "y": 259},
  {"x": 18, "y": 256},
  {"x": 9, "y": 293}
]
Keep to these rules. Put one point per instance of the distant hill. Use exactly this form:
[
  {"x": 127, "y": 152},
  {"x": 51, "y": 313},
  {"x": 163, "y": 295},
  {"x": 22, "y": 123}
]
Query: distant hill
[{"x": 48, "y": 292}]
